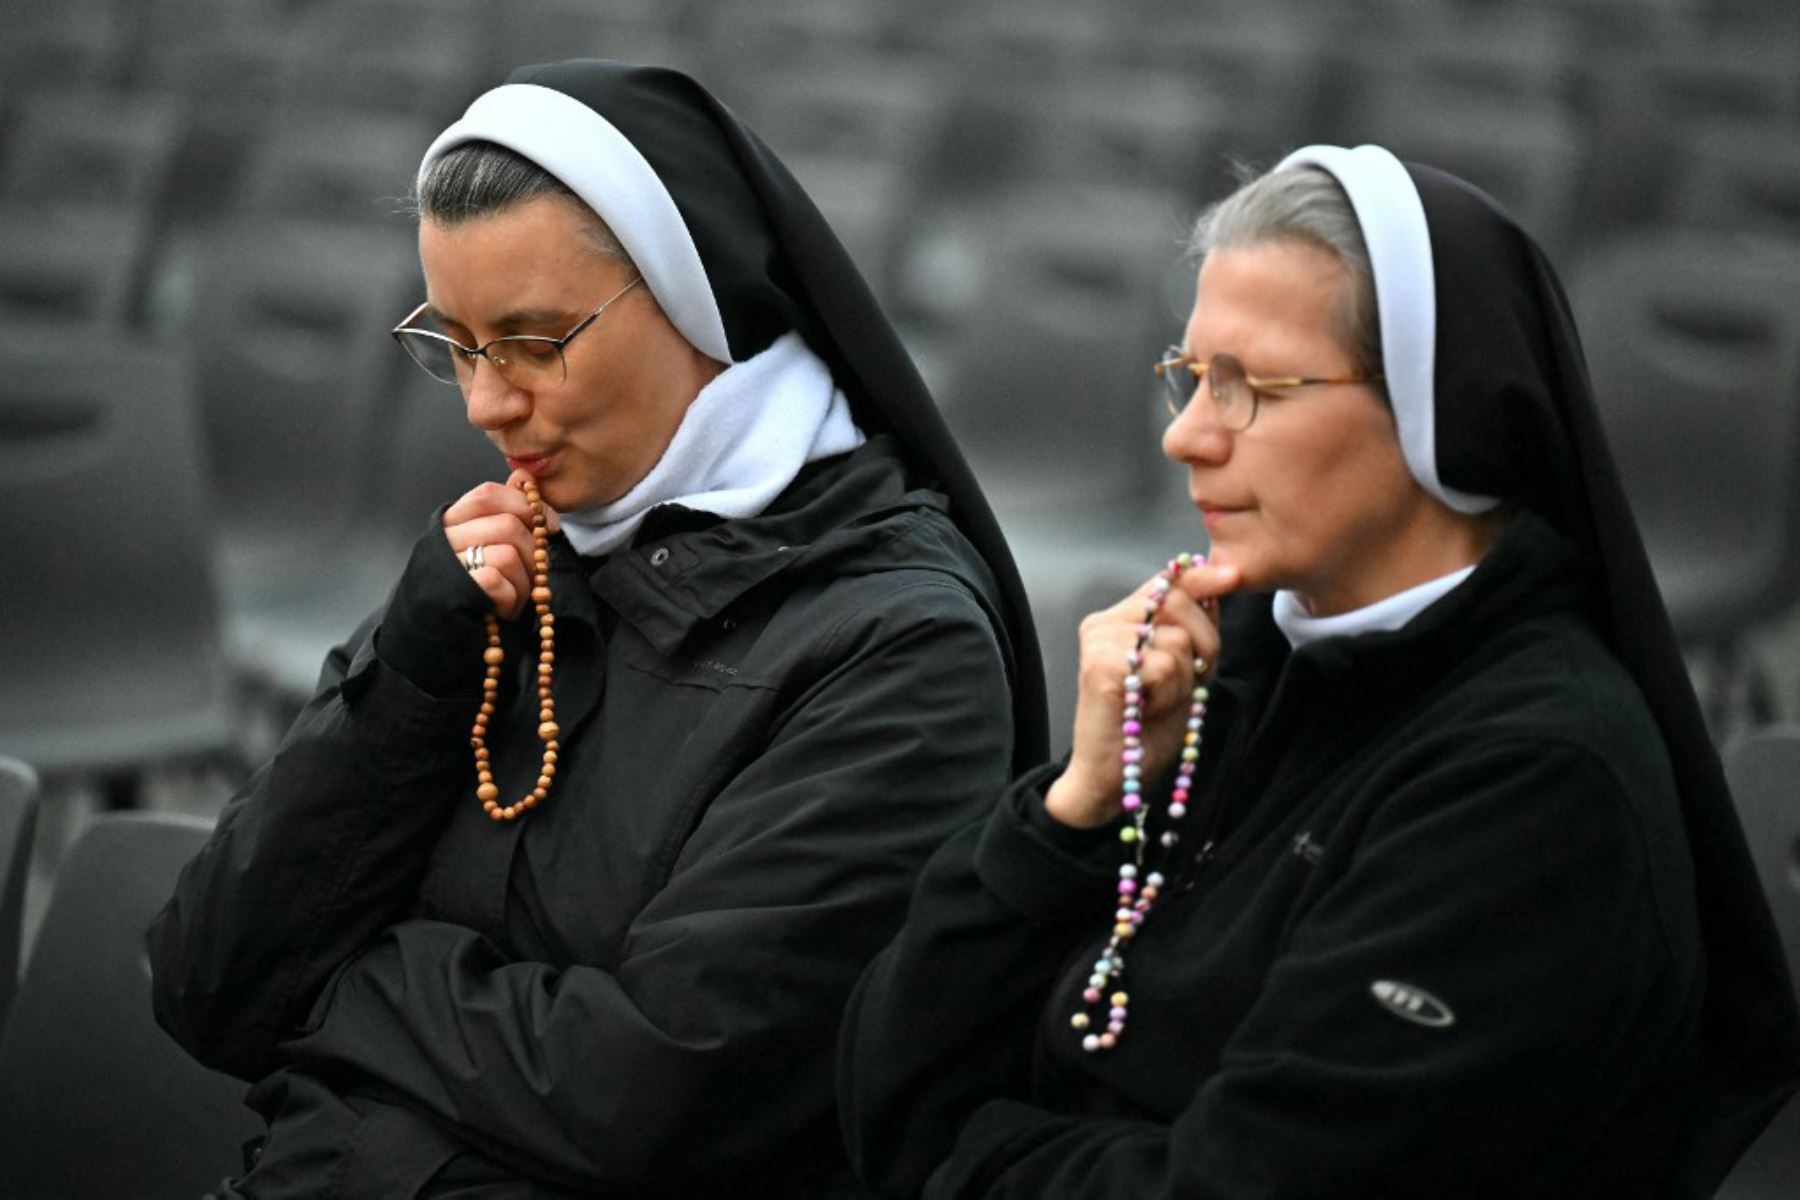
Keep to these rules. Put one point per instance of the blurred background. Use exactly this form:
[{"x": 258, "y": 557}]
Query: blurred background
[{"x": 212, "y": 461}]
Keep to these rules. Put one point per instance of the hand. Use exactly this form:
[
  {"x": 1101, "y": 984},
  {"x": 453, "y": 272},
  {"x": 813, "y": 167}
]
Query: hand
[
  {"x": 497, "y": 517},
  {"x": 1088, "y": 792}
]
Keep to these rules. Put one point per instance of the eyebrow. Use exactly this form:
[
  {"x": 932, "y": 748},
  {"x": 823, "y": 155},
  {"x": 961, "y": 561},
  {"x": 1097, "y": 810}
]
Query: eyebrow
[{"x": 509, "y": 320}]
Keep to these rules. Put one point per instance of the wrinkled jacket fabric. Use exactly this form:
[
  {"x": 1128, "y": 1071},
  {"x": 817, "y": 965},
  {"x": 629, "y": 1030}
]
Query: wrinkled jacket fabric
[
  {"x": 768, "y": 725},
  {"x": 1431, "y": 931}
]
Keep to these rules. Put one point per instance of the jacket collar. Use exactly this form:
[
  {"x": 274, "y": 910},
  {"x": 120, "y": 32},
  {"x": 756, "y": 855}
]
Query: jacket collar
[
  {"x": 685, "y": 568},
  {"x": 1530, "y": 571}
]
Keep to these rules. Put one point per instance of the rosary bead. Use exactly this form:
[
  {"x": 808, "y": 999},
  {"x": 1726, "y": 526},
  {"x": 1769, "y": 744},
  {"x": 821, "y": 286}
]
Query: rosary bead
[{"x": 495, "y": 654}]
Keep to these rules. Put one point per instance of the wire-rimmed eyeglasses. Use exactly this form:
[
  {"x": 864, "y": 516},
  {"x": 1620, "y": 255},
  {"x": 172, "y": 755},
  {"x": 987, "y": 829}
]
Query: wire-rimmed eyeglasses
[
  {"x": 1234, "y": 393},
  {"x": 524, "y": 360}
]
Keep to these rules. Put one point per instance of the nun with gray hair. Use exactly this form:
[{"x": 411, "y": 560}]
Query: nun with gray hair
[
  {"x": 1392, "y": 857},
  {"x": 560, "y": 883}
]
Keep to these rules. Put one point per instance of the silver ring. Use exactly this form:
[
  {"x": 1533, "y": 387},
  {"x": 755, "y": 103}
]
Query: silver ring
[{"x": 474, "y": 558}]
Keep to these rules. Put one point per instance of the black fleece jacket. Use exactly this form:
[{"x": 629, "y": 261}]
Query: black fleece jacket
[{"x": 1441, "y": 940}]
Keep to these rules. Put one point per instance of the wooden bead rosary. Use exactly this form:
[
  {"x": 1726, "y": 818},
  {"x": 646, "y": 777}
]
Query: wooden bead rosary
[{"x": 494, "y": 655}]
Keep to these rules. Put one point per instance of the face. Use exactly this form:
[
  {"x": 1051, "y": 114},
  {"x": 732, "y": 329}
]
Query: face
[
  {"x": 631, "y": 375},
  {"x": 1314, "y": 496}
]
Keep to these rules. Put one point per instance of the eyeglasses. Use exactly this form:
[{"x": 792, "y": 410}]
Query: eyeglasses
[
  {"x": 524, "y": 360},
  {"x": 1234, "y": 393}
]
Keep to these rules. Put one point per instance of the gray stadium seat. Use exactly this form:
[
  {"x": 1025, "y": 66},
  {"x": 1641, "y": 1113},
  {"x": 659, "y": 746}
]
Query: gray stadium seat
[
  {"x": 111, "y": 638},
  {"x": 1739, "y": 176},
  {"x": 1049, "y": 386},
  {"x": 1764, "y": 770},
  {"x": 1693, "y": 344},
  {"x": 95, "y": 1100},
  {"x": 77, "y": 265},
  {"x": 18, "y": 821},
  {"x": 335, "y": 165},
  {"x": 92, "y": 147}
]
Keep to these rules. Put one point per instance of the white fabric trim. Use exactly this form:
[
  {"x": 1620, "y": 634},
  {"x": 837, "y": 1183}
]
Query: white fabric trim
[
  {"x": 586, "y": 151},
  {"x": 743, "y": 439},
  {"x": 1393, "y": 224},
  {"x": 1301, "y": 627}
]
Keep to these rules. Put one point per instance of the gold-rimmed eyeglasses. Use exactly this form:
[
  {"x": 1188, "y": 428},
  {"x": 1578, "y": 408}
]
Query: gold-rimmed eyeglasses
[
  {"x": 1234, "y": 392},
  {"x": 524, "y": 360}
]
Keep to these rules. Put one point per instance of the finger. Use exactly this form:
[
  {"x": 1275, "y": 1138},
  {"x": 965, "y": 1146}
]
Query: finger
[
  {"x": 517, "y": 481},
  {"x": 507, "y": 598},
  {"x": 1206, "y": 581},
  {"x": 495, "y": 530},
  {"x": 488, "y": 499},
  {"x": 1198, "y": 622}
]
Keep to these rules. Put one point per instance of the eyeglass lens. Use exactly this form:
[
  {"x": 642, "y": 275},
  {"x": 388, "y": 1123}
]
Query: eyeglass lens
[
  {"x": 524, "y": 362},
  {"x": 1232, "y": 399}
]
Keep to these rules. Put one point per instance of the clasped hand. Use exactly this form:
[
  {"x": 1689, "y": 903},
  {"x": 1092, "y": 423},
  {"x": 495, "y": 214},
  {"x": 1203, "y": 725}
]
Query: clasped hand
[
  {"x": 497, "y": 517},
  {"x": 1185, "y": 628}
]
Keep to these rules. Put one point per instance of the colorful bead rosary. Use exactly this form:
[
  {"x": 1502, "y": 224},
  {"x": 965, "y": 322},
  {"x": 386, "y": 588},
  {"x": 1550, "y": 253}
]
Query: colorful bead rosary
[
  {"x": 485, "y": 789},
  {"x": 1138, "y": 890}
]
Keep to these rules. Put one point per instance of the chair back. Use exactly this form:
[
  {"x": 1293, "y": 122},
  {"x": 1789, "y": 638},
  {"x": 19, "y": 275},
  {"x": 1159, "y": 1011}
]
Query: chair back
[
  {"x": 111, "y": 640},
  {"x": 294, "y": 363},
  {"x": 18, "y": 821},
  {"x": 77, "y": 264},
  {"x": 1764, "y": 770},
  {"x": 95, "y": 1100},
  {"x": 93, "y": 147},
  {"x": 1693, "y": 345}
]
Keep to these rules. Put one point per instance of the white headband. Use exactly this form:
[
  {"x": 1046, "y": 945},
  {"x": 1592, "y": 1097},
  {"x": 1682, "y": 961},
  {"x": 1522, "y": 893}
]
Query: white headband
[
  {"x": 586, "y": 151},
  {"x": 1393, "y": 227}
]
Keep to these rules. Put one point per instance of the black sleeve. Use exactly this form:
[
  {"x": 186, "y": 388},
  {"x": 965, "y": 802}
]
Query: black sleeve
[
  {"x": 325, "y": 846},
  {"x": 1512, "y": 885},
  {"x": 946, "y": 1017},
  {"x": 719, "y": 1021}
]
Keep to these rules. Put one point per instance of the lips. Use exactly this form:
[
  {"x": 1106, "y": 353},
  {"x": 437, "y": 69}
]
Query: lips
[{"x": 531, "y": 464}]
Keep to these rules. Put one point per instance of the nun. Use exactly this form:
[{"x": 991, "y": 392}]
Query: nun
[
  {"x": 560, "y": 882},
  {"x": 1392, "y": 857}
]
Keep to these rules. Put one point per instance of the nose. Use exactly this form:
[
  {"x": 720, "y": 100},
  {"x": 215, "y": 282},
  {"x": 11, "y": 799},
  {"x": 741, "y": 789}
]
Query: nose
[
  {"x": 1195, "y": 436},
  {"x": 491, "y": 401}
]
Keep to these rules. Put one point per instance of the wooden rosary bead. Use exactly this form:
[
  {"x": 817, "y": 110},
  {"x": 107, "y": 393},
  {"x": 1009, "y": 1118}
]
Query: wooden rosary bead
[{"x": 494, "y": 655}]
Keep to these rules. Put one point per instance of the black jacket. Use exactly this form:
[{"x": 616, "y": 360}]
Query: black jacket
[
  {"x": 635, "y": 990},
  {"x": 1477, "y": 808}
]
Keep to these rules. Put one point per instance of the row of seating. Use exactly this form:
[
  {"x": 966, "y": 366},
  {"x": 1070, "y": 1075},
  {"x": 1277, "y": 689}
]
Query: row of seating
[{"x": 96, "y": 1101}]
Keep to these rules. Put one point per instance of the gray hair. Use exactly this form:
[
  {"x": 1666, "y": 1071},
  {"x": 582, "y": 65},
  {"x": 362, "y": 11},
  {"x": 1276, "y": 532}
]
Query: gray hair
[
  {"x": 1303, "y": 203},
  {"x": 479, "y": 179}
]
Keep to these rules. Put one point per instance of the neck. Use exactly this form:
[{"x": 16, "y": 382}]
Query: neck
[{"x": 1439, "y": 542}]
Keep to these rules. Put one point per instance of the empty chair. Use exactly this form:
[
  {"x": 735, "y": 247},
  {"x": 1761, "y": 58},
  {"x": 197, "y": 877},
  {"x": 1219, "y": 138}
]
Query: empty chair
[
  {"x": 1739, "y": 176},
  {"x": 55, "y": 44},
  {"x": 1523, "y": 58},
  {"x": 294, "y": 363},
  {"x": 549, "y": 30},
  {"x": 421, "y": 58},
  {"x": 1693, "y": 343},
  {"x": 75, "y": 265},
  {"x": 1263, "y": 66},
  {"x": 334, "y": 165},
  {"x": 1643, "y": 100},
  {"x": 1764, "y": 770},
  {"x": 1529, "y": 158},
  {"x": 93, "y": 147},
  {"x": 18, "y": 821},
  {"x": 1050, "y": 388},
  {"x": 280, "y": 642},
  {"x": 94, "y": 1099},
  {"x": 110, "y": 638}
]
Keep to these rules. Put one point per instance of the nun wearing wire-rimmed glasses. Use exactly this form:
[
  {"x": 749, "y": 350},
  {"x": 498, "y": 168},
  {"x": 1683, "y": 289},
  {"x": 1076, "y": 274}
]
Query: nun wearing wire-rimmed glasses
[
  {"x": 1392, "y": 857},
  {"x": 790, "y": 655}
]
